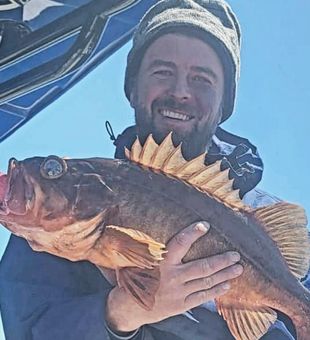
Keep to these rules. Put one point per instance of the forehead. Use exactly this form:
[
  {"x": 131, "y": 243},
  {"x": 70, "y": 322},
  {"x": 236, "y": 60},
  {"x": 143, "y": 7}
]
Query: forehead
[{"x": 182, "y": 50}]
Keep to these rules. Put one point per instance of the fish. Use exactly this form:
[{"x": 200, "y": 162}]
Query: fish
[{"x": 120, "y": 214}]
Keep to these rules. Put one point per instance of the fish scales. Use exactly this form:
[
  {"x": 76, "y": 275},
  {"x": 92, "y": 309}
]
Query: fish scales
[
  {"x": 119, "y": 214},
  {"x": 232, "y": 230},
  {"x": 239, "y": 230}
]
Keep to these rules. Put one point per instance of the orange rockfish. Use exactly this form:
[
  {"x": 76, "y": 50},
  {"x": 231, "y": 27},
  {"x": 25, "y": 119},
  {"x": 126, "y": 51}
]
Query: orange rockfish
[{"x": 120, "y": 214}]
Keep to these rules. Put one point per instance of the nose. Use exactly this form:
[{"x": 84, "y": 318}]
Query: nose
[{"x": 180, "y": 89}]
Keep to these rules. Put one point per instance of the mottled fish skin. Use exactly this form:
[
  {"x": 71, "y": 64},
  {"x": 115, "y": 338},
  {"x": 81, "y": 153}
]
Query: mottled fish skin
[{"x": 124, "y": 194}]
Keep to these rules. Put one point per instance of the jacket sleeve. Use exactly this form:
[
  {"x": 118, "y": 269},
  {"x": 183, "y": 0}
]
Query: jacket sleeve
[{"x": 46, "y": 297}]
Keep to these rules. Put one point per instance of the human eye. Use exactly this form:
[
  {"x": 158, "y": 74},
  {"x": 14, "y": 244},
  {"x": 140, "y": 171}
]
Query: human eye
[
  {"x": 163, "y": 73},
  {"x": 199, "y": 79}
]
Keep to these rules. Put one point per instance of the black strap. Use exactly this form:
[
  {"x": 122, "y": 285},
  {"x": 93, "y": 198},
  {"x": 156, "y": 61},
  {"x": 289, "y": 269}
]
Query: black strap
[{"x": 110, "y": 130}]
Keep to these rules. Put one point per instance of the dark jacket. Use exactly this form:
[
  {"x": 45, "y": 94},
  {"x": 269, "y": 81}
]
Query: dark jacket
[{"x": 44, "y": 297}]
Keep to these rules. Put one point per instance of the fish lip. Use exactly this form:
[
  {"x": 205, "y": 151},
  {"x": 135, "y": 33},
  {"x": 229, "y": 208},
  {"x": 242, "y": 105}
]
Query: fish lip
[
  {"x": 4, "y": 210},
  {"x": 15, "y": 169}
]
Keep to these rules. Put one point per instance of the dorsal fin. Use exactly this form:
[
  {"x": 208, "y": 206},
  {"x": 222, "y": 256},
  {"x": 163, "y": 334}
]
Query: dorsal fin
[
  {"x": 147, "y": 151},
  {"x": 136, "y": 151},
  {"x": 172, "y": 163},
  {"x": 160, "y": 156},
  {"x": 286, "y": 225},
  {"x": 168, "y": 159},
  {"x": 192, "y": 167}
]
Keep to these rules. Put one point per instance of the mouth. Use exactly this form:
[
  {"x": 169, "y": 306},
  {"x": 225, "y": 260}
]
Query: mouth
[
  {"x": 175, "y": 115},
  {"x": 15, "y": 193}
]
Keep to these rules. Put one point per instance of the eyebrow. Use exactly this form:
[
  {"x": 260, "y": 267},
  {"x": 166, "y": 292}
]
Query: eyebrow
[
  {"x": 206, "y": 70},
  {"x": 160, "y": 62},
  {"x": 199, "y": 69}
]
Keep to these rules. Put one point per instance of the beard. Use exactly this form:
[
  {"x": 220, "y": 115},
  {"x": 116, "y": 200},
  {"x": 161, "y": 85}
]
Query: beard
[{"x": 195, "y": 141}]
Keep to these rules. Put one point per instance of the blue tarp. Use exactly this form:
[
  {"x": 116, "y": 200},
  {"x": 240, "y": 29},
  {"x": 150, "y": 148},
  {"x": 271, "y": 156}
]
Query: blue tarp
[{"x": 47, "y": 46}]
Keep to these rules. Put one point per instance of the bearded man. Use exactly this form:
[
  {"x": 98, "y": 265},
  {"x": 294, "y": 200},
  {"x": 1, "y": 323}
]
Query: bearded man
[{"x": 181, "y": 76}]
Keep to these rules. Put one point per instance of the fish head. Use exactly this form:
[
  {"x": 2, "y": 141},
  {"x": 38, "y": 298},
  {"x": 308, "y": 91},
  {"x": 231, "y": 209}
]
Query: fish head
[{"x": 50, "y": 193}]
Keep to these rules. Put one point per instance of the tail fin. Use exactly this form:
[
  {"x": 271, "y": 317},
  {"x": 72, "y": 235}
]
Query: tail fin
[
  {"x": 302, "y": 319},
  {"x": 303, "y": 331}
]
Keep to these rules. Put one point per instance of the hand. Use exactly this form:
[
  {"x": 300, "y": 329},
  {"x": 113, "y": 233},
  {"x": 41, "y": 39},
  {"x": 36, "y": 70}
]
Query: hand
[{"x": 182, "y": 286}]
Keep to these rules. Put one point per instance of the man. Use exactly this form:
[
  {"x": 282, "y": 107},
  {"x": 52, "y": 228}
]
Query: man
[{"x": 181, "y": 75}]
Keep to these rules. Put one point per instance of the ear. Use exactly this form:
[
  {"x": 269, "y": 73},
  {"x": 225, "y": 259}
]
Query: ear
[
  {"x": 131, "y": 100},
  {"x": 133, "y": 96},
  {"x": 220, "y": 114}
]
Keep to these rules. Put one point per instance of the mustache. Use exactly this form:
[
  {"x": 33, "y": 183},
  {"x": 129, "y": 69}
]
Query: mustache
[{"x": 172, "y": 104}]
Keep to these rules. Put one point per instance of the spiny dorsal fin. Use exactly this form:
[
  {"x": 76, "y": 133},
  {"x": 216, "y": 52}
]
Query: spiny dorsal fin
[
  {"x": 247, "y": 323},
  {"x": 173, "y": 162},
  {"x": 192, "y": 167},
  {"x": 160, "y": 156},
  {"x": 169, "y": 159},
  {"x": 136, "y": 151},
  {"x": 286, "y": 225},
  {"x": 147, "y": 151},
  {"x": 127, "y": 153},
  {"x": 205, "y": 175}
]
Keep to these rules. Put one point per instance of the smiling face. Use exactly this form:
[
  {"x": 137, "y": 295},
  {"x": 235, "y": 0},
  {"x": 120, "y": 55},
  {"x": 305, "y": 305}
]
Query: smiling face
[{"x": 179, "y": 88}]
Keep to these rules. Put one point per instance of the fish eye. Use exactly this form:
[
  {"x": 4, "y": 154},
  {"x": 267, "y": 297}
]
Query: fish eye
[{"x": 53, "y": 167}]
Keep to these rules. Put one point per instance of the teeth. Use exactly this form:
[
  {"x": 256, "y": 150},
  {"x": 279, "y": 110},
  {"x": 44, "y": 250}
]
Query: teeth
[{"x": 175, "y": 115}]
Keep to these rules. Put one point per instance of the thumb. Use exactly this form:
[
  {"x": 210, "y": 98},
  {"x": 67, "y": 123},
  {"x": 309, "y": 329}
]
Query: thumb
[{"x": 180, "y": 244}]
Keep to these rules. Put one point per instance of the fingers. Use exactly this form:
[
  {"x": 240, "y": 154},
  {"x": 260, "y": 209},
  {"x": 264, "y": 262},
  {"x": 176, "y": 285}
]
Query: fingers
[
  {"x": 198, "y": 298},
  {"x": 180, "y": 244},
  {"x": 212, "y": 277},
  {"x": 206, "y": 267},
  {"x": 211, "y": 281}
]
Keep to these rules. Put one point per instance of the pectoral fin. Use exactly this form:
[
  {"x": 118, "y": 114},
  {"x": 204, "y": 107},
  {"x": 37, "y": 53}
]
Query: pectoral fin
[
  {"x": 246, "y": 323},
  {"x": 135, "y": 257},
  {"x": 139, "y": 248},
  {"x": 141, "y": 284},
  {"x": 124, "y": 247}
]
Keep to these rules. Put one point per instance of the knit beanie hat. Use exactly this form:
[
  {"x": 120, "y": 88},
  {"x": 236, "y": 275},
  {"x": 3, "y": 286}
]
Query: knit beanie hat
[{"x": 209, "y": 20}]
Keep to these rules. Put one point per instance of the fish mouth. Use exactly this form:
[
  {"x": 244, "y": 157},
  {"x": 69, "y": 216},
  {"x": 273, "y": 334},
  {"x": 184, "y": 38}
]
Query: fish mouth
[
  {"x": 16, "y": 192},
  {"x": 174, "y": 114}
]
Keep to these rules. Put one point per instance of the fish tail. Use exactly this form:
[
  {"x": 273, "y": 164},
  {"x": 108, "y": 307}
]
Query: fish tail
[
  {"x": 301, "y": 320},
  {"x": 303, "y": 328}
]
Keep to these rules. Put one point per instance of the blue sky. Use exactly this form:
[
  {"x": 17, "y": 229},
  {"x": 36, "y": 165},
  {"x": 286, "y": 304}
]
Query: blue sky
[{"x": 272, "y": 108}]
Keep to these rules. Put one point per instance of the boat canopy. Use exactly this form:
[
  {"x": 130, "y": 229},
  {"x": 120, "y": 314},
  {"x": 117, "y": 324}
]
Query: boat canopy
[{"x": 47, "y": 46}]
